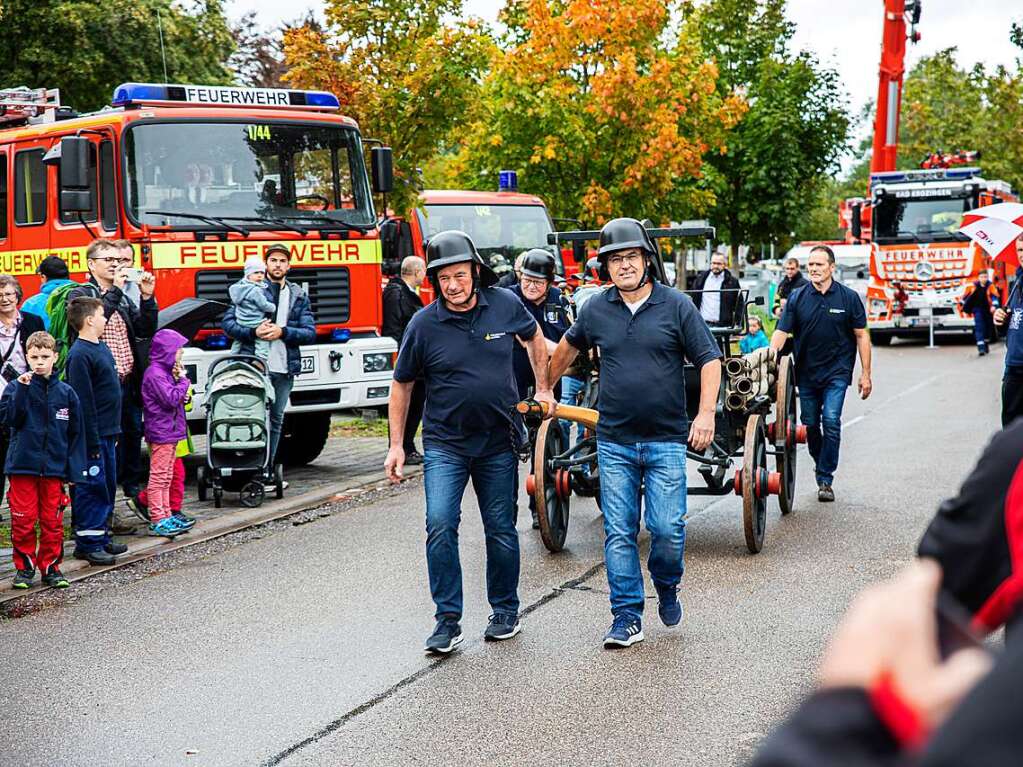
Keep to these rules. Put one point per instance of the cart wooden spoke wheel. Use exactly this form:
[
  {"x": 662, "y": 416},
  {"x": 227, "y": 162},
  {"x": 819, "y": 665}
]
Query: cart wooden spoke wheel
[
  {"x": 552, "y": 486},
  {"x": 785, "y": 425},
  {"x": 755, "y": 480}
]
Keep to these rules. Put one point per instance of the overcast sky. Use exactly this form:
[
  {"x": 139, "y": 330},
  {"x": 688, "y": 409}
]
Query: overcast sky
[{"x": 843, "y": 33}]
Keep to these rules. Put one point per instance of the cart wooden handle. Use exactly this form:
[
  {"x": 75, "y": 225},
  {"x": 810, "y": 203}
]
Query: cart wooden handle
[{"x": 583, "y": 415}]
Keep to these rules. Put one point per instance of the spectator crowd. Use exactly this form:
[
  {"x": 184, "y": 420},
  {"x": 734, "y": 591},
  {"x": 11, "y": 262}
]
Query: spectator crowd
[{"x": 89, "y": 375}]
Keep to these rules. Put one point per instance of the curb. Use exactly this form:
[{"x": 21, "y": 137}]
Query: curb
[{"x": 207, "y": 530}]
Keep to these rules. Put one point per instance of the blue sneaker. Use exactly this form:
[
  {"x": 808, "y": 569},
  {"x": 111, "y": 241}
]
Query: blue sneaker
[
  {"x": 183, "y": 521},
  {"x": 502, "y": 626},
  {"x": 445, "y": 637},
  {"x": 624, "y": 632},
  {"x": 166, "y": 528},
  {"x": 668, "y": 607}
]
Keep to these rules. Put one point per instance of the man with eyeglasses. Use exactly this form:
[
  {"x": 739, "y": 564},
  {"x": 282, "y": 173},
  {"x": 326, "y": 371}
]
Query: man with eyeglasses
[
  {"x": 129, "y": 328},
  {"x": 644, "y": 331},
  {"x": 15, "y": 328},
  {"x": 550, "y": 310}
]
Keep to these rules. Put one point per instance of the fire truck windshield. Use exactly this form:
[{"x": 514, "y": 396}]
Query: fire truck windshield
[
  {"x": 505, "y": 230},
  {"x": 240, "y": 170},
  {"x": 918, "y": 220}
]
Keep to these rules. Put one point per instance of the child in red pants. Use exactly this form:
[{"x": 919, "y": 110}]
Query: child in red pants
[{"x": 47, "y": 449}]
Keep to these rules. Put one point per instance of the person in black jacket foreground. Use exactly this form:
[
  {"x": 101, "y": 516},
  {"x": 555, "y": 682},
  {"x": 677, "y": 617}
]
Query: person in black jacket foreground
[
  {"x": 886, "y": 698},
  {"x": 400, "y": 302}
]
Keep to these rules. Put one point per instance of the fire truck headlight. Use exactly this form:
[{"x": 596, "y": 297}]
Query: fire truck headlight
[
  {"x": 376, "y": 363},
  {"x": 878, "y": 306}
]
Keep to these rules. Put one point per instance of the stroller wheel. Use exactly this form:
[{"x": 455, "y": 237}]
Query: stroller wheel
[
  {"x": 201, "y": 485},
  {"x": 252, "y": 495},
  {"x": 279, "y": 480}
]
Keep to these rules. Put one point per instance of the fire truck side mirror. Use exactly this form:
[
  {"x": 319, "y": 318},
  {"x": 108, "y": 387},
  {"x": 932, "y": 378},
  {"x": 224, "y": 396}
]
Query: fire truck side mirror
[
  {"x": 382, "y": 163},
  {"x": 73, "y": 161},
  {"x": 855, "y": 226}
]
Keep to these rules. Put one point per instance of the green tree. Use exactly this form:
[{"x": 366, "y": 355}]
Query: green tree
[
  {"x": 403, "y": 69},
  {"x": 87, "y": 47},
  {"x": 601, "y": 110},
  {"x": 780, "y": 156},
  {"x": 946, "y": 107}
]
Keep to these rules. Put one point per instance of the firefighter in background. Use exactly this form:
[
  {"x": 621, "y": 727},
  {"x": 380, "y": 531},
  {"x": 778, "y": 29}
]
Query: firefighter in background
[
  {"x": 549, "y": 308},
  {"x": 981, "y": 300}
]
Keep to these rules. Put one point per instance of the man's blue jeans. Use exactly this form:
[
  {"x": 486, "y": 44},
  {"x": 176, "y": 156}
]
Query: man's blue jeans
[
  {"x": 570, "y": 388},
  {"x": 494, "y": 481},
  {"x": 982, "y": 330},
  {"x": 821, "y": 411},
  {"x": 282, "y": 383},
  {"x": 658, "y": 471}
]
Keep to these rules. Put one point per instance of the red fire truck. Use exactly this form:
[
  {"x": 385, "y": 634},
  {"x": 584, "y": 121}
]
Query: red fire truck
[
  {"x": 919, "y": 262},
  {"x": 199, "y": 178},
  {"x": 502, "y": 224}
]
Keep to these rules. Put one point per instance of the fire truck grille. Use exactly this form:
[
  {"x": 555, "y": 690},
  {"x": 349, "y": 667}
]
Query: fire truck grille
[{"x": 328, "y": 290}]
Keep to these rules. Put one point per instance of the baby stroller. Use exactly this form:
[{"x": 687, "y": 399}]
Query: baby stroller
[{"x": 238, "y": 400}]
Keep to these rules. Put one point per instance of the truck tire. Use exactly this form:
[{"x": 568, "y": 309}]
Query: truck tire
[
  {"x": 303, "y": 437},
  {"x": 881, "y": 337}
]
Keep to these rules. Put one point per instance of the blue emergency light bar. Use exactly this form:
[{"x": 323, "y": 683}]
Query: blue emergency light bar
[
  {"x": 934, "y": 174},
  {"x": 507, "y": 181},
  {"x": 138, "y": 94}
]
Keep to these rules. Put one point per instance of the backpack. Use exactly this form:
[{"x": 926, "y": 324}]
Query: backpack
[{"x": 56, "y": 308}]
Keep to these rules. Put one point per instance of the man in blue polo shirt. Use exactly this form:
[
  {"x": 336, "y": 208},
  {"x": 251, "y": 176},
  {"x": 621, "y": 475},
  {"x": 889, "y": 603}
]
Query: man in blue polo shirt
[
  {"x": 829, "y": 325},
  {"x": 461, "y": 345},
  {"x": 644, "y": 332}
]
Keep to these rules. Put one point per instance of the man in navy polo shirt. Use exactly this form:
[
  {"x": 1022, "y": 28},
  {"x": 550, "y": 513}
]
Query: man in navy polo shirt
[
  {"x": 644, "y": 331},
  {"x": 462, "y": 346},
  {"x": 829, "y": 325}
]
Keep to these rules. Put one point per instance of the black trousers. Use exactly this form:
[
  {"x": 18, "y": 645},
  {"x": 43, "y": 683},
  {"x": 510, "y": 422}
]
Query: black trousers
[
  {"x": 1012, "y": 398},
  {"x": 416, "y": 402},
  {"x": 129, "y": 445}
]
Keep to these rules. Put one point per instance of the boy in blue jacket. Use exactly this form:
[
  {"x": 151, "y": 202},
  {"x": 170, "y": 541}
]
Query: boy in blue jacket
[
  {"x": 47, "y": 449},
  {"x": 92, "y": 373}
]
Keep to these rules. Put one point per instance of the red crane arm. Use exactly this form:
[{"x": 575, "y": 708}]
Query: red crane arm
[{"x": 889, "y": 81}]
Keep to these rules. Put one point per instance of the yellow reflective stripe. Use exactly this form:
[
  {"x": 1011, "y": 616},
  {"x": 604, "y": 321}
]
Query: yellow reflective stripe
[
  {"x": 234, "y": 253},
  {"x": 22, "y": 263}
]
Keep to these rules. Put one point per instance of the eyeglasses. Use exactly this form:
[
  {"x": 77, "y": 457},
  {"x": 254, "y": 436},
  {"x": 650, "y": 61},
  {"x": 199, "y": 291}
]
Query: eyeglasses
[
  {"x": 529, "y": 281},
  {"x": 8, "y": 296},
  {"x": 619, "y": 260}
]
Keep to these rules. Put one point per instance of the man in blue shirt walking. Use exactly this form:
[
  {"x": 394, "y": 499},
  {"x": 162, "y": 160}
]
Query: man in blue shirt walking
[
  {"x": 829, "y": 325},
  {"x": 1012, "y": 380},
  {"x": 644, "y": 332},
  {"x": 462, "y": 345}
]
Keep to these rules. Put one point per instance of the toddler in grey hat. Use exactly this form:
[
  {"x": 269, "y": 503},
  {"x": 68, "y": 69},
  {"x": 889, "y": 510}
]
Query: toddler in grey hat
[{"x": 252, "y": 304}]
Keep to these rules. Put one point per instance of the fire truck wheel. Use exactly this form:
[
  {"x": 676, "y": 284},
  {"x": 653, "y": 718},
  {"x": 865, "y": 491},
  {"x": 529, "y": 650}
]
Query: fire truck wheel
[
  {"x": 881, "y": 338},
  {"x": 200, "y": 483},
  {"x": 303, "y": 437}
]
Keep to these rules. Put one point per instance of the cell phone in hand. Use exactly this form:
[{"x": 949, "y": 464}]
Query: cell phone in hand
[
  {"x": 133, "y": 274},
  {"x": 955, "y": 630}
]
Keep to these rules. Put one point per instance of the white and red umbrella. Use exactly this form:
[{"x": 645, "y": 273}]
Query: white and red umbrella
[{"x": 995, "y": 228}]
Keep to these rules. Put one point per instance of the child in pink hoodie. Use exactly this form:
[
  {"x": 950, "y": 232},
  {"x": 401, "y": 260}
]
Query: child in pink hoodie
[{"x": 164, "y": 391}]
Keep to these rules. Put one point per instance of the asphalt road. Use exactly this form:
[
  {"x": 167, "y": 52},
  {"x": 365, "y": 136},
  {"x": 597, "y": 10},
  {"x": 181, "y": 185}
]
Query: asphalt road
[{"x": 302, "y": 644}]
